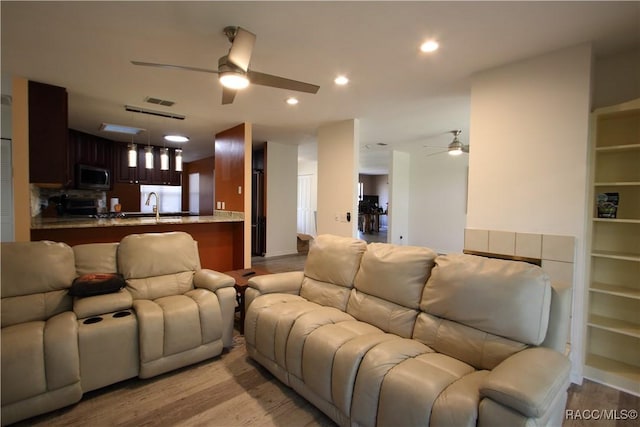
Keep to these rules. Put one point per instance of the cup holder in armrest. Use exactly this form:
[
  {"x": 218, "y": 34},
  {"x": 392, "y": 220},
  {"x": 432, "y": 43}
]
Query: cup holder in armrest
[
  {"x": 91, "y": 320},
  {"x": 122, "y": 314}
]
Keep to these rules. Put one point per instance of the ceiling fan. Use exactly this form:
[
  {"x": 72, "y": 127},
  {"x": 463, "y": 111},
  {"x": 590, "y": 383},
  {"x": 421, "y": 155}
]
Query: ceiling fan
[
  {"x": 455, "y": 148},
  {"x": 233, "y": 68}
]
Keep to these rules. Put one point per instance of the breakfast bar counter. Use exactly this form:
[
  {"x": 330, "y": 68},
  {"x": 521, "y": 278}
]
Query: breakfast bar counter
[{"x": 220, "y": 236}]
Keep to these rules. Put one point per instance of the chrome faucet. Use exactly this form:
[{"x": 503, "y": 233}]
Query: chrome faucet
[{"x": 156, "y": 207}]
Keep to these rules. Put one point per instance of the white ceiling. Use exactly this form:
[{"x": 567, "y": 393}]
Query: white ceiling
[{"x": 401, "y": 96}]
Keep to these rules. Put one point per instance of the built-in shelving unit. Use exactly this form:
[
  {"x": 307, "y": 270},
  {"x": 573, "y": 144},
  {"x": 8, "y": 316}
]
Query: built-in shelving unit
[{"x": 613, "y": 319}]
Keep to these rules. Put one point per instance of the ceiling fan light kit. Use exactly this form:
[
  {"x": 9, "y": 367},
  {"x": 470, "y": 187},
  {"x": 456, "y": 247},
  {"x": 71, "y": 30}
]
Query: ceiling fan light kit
[
  {"x": 233, "y": 80},
  {"x": 455, "y": 147}
]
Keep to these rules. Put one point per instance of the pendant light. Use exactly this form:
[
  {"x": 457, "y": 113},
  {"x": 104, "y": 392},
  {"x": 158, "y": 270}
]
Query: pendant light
[
  {"x": 164, "y": 159},
  {"x": 179, "y": 159},
  {"x": 133, "y": 154},
  {"x": 148, "y": 151}
]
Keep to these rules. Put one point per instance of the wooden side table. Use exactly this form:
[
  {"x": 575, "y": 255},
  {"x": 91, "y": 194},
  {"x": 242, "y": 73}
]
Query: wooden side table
[{"x": 242, "y": 277}]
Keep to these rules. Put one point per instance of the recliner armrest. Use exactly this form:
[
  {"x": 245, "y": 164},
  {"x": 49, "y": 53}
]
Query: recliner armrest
[
  {"x": 289, "y": 283},
  {"x": 528, "y": 381},
  {"x": 212, "y": 280},
  {"x": 102, "y": 304}
]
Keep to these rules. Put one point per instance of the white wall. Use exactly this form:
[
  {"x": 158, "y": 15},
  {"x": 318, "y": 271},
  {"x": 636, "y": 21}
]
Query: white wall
[
  {"x": 528, "y": 162},
  {"x": 617, "y": 78},
  {"x": 282, "y": 188},
  {"x": 338, "y": 151},
  {"x": 399, "y": 180},
  {"x": 438, "y": 201}
]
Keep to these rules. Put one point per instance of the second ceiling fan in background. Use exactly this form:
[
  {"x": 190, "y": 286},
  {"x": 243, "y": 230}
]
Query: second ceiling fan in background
[{"x": 233, "y": 68}]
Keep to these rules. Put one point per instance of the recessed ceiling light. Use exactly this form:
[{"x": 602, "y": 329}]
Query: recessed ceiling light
[
  {"x": 341, "y": 80},
  {"x": 176, "y": 138},
  {"x": 292, "y": 101},
  {"x": 129, "y": 130},
  {"x": 429, "y": 46}
]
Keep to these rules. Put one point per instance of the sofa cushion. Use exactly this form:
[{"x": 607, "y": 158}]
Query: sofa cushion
[
  {"x": 386, "y": 315},
  {"x": 35, "y": 279},
  {"x": 479, "y": 349},
  {"x": 334, "y": 259},
  {"x": 96, "y": 258},
  {"x": 330, "y": 269},
  {"x": 389, "y": 285},
  {"x": 157, "y": 254},
  {"x": 36, "y": 267},
  {"x": 506, "y": 298},
  {"x": 160, "y": 286},
  {"x": 324, "y": 293},
  {"x": 395, "y": 273}
]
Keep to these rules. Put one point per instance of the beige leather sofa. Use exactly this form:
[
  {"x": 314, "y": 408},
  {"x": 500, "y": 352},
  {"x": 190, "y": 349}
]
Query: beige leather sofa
[
  {"x": 171, "y": 314},
  {"x": 384, "y": 335}
]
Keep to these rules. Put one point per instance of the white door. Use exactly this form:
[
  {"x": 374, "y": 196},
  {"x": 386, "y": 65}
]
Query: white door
[{"x": 306, "y": 217}]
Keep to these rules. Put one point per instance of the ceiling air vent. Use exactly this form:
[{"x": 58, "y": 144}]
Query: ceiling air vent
[
  {"x": 158, "y": 101},
  {"x": 154, "y": 112}
]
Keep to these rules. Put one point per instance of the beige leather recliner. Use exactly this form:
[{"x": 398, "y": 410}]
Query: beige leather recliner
[
  {"x": 378, "y": 334},
  {"x": 40, "y": 362},
  {"x": 55, "y": 347},
  {"x": 180, "y": 308}
]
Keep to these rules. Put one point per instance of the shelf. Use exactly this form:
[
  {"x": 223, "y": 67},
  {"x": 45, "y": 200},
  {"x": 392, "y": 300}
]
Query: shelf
[
  {"x": 620, "y": 291},
  {"x": 618, "y": 148},
  {"x": 608, "y": 371},
  {"x": 618, "y": 220},
  {"x": 614, "y": 325},
  {"x": 616, "y": 255},
  {"x": 617, "y": 184}
]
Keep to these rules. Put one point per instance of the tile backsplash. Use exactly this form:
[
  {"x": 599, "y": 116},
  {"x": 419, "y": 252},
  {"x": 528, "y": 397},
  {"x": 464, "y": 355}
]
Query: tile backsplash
[{"x": 40, "y": 197}]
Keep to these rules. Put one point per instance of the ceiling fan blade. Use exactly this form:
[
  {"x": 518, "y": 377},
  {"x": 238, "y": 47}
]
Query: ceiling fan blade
[
  {"x": 241, "y": 48},
  {"x": 263, "y": 79},
  {"x": 228, "y": 95},
  {"x": 435, "y": 154},
  {"x": 174, "y": 67}
]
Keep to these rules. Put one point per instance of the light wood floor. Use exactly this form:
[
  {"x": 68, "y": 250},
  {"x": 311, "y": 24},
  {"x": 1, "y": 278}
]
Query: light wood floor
[{"x": 232, "y": 390}]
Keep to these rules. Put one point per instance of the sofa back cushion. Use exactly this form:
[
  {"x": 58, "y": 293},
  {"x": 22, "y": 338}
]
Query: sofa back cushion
[
  {"x": 473, "y": 346},
  {"x": 96, "y": 258},
  {"x": 158, "y": 264},
  {"x": 510, "y": 299},
  {"x": 389, "y": 286},
  {"x": 35, "y": 279},
  {"x": 330, "y": 269}
]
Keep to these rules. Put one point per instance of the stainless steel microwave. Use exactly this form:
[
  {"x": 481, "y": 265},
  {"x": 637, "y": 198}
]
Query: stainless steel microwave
[{"x": 92, "y": 178}]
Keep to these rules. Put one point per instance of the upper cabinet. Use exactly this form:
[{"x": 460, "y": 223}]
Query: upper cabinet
[
  {"x": 140, "y": 174},
  {"x": 48, "y": 135},
  {"x": 87, "y": 149}
]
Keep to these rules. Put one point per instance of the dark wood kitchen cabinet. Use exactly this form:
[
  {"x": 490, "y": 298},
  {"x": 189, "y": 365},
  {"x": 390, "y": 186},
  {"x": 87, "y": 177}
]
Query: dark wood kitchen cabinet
[
  {"x": 48, "y": 135},
  {"x": 91, "y": 150},
  {"x": 126, "y": 174},
  {"x": 166, "y": 177},
  {"x": 140, "y": 174}
]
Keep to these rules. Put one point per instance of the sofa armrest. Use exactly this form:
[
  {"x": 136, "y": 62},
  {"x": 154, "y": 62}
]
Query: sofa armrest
[
  {"x": 102, "y": 304},
  {"x": 528, "y": 381},
  {"x": 212, "y": 280},
  {"x": 288, "y": 283}
]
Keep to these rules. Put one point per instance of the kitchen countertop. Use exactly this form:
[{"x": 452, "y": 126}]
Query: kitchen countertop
[{"x": 53, "y": 223}]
